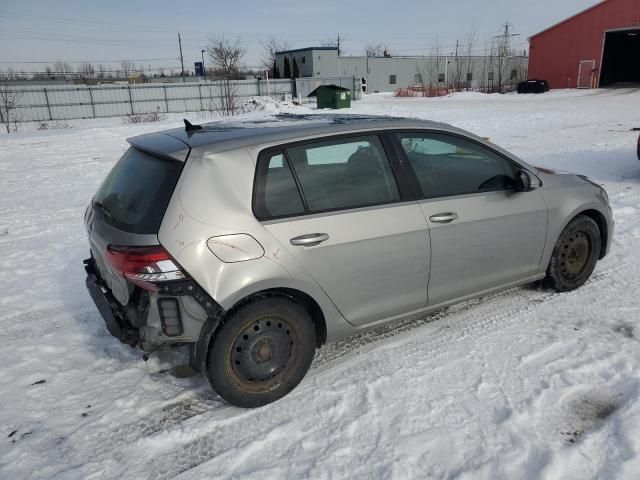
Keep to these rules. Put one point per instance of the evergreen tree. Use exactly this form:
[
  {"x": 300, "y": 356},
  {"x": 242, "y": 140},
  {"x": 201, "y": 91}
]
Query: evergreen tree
[
  {"x": 274, "y": 70},
  {"x": 287, "y": 68},
  {"x": 296, "y": 71}
]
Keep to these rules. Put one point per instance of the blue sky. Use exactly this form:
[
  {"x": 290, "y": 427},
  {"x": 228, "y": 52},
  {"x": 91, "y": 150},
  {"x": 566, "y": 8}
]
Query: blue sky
[{"x": 145, "y": 31}]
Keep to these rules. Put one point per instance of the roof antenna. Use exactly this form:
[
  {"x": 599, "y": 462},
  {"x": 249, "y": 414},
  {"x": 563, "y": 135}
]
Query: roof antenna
[{"x": 189, "y": 127}]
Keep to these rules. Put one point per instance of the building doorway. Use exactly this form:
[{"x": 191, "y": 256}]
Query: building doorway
[
  {"x": 621, "y": 57},
  {"x": 585, "y": 73}
]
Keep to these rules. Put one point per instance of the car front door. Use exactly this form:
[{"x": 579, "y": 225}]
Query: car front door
[
  {"x": 336, "y": 206},
  {"x": 484, "y": 233}
]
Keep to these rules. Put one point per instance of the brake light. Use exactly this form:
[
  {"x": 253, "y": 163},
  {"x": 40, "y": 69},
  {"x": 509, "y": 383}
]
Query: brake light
[{"x": 144, "y": 266}]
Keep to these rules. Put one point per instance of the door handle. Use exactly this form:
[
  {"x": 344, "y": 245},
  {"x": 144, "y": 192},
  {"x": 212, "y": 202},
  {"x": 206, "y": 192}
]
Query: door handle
[
  {"x": 447, "y": 217},
  {"x": 310, "y": 240}
]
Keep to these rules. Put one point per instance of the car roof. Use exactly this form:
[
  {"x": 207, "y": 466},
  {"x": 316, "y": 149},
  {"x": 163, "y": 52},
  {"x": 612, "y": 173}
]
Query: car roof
[{"x": 229, "y": 135}]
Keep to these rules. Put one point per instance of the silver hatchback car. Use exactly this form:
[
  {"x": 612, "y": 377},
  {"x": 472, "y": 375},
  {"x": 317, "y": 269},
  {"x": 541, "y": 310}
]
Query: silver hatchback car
[{"x": 254, "y": 243}]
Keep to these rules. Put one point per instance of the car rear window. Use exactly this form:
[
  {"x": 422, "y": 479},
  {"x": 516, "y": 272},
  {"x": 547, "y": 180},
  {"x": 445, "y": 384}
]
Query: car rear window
[{"x": 135, "y": 194}]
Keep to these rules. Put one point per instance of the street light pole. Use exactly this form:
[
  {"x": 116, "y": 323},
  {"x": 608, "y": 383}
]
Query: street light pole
[
  {"x": 204, "y": 73},
  {"x": 266, "y": 73}
]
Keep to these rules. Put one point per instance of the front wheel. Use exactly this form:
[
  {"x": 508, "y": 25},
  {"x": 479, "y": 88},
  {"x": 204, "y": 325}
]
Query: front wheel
[
  {"x": 261, "y": 352},
  {"x": 575, "y": 255}
]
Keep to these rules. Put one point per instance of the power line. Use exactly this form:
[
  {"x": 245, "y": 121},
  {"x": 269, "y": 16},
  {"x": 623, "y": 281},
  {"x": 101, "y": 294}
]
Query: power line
[{"x": 90, "y": 61}]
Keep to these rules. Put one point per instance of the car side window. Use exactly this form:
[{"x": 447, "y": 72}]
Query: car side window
[
  {"x": 446, "y": 165},
  {"x": 276, "y": 193},
  {"x": 345, "y": 173}
]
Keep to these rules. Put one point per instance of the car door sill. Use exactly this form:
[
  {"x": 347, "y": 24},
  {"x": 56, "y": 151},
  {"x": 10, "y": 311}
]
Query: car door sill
[{"x": 417, "y": 314}]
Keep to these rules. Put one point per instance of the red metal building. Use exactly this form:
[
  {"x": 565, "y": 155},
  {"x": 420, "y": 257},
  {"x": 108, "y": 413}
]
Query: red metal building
[{"x": 597, "y": 47}]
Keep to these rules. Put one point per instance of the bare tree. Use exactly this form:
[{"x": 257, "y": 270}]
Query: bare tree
[
  {"x": 437, "y": 61},
  {"x": 500, "y": 55},
  {"x": 492, "y": 65},
  {"x": 101, "y": 71},
  {"x": 270, "y": 47},
  {"x": 11, "y": 74},
  {"x": 374, "y": 50},
  {"x": 469, "y": 60},
  {"x": 9, "y": 99},
  {"x": 334, "y": 43},
  {"x": 226, "y": 57},
  {"x": 127, "y": 68},
  {"x": 62, "y": 69},
  {"x": 86, "y": 70}
]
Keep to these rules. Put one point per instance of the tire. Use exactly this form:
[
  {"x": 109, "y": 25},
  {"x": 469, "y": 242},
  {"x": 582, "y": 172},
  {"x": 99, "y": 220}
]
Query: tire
[
  {"x": 575, "y": 255},
  {"x": 261, "y": 352}
]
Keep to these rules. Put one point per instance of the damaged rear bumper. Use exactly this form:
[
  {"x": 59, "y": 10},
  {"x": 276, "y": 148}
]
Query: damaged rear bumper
[
  {"x": 145, "y": 322},
  {"x": 111, "y": 311}
]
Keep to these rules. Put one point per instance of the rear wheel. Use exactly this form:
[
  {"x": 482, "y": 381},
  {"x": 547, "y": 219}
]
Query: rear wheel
[
  {"x": 575, "y": 255},
  {"x": 261, "y": 352}
]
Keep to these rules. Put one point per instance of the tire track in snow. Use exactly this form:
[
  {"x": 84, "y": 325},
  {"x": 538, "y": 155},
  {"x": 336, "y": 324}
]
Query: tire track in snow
[
  {"x": 470, "y": 319},
  {"x": 208, "y": 444},
  {"x": 485, "y": 314},
  {"x": 198, "y": 408}
]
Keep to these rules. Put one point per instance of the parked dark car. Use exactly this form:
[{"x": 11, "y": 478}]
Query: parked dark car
[{"x": 533, "y": 86}]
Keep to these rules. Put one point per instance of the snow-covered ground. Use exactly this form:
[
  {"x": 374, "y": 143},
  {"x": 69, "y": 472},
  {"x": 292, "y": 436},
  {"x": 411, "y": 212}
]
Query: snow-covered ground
[{"x": 521, "y": 385}]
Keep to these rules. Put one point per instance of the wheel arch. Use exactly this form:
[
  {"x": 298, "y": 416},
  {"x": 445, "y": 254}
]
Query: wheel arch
[
  {"x": 300, "y": 297},
  {"x": 601, "y": 221},
  {"x": 559, "y": 220}
]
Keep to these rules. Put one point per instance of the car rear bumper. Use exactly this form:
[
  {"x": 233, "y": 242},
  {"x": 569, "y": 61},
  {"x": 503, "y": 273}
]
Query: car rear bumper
[
  {"x": 143, "y": 322},
  {"x": 109, "y": 308}
]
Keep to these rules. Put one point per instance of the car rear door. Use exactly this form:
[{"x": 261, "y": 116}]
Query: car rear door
[
  {"x": 336, "y": 206},
  {"x": 484, "y": 233}
]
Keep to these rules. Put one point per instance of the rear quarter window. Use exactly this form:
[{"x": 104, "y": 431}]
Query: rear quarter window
[{"x": 276, "y": 193}]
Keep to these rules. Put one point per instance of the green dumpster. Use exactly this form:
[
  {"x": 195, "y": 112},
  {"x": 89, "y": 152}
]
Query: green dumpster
[{"x": 332, "y": 96}]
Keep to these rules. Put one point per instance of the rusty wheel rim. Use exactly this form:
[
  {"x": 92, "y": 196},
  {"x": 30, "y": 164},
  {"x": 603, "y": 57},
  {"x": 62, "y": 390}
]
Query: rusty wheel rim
[
  {"x": 575, "y": 254},
  {"x": 262, "y": 350}
]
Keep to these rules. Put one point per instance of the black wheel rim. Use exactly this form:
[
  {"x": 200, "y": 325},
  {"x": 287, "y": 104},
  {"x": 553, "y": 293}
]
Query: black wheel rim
[
  {"x": 262, "y": 350},
  {"x": 575, "y": 254}
]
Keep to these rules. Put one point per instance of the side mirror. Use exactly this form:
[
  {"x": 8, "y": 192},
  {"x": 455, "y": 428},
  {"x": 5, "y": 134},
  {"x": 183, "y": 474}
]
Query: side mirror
[{"x": 524, "y": 182}]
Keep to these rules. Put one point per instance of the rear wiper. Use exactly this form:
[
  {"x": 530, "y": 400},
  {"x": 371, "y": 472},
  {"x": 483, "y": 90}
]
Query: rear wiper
[{"x": 102, "y": 209}]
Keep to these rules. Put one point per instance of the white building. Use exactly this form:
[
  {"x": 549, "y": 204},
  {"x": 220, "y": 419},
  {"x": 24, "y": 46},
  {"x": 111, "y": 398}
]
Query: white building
[{"x": 389, "y": 73}]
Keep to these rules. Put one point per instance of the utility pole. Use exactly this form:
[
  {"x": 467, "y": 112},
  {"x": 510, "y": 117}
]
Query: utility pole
[
  {"x": 504, "y": 48},
  {"x": 457, "y": 66},
  {"x": 505, "y": 39},
  {"x": 339, "y": 55},
  {"x": 181, "y": 57}
]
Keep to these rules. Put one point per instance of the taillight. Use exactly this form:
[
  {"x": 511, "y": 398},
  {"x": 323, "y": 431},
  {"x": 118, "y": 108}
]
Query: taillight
[{"x": 144, "y": 266}]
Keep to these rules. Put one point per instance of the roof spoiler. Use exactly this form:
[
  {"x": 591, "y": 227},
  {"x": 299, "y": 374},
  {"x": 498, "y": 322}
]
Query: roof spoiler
[{"x": 189, "y": 127}]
